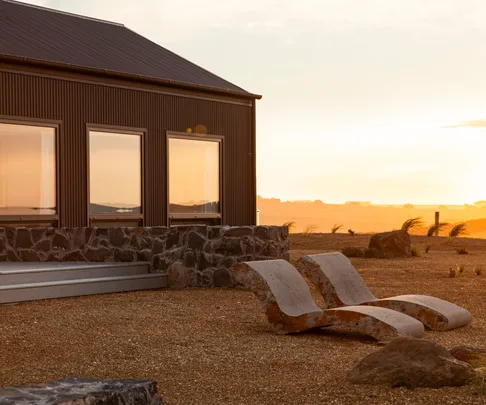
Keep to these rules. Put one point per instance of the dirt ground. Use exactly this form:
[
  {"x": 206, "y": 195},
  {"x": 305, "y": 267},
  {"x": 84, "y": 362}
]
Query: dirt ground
[{"x": 215, "y": 346}]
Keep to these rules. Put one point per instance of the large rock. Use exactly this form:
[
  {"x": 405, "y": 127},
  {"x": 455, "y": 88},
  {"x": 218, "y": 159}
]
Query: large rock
[
  {"x": 389, "y": 245},
  {"x": 412, "y": 362},
  {"x": 77, "y": 391},
  {"x": 476, "y": 357}
]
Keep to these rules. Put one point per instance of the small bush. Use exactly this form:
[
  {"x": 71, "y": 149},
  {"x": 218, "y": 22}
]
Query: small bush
[
  {"x": 416, "y": 251},
  {"x": 462, "y": 251},
  {"x": 427, "y": 248},
  {"x": 452, "y": 272},
  {"x": 460, "y": 268},
  {"x": 351, "y": 232},
  {"x": 478, "y": 271}
]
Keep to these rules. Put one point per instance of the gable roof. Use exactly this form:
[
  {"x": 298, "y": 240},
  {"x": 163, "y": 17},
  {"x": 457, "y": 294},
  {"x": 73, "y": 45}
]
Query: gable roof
[{"x": 40, "y": 34}]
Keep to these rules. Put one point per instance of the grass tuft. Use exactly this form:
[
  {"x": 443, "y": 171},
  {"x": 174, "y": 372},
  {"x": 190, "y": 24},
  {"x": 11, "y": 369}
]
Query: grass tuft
[
  {"x": 462, "y": 251},
  {"x": 309, "y": 229},
  {"x": 412, "y": 223},
  {"x": 458, "y": 230},
  {"x": 478, "y": 270},
  {"x": 336, "y": 228},
  {"x": 439, "y": 227},
  {"x": 452, "y": 272},
  {"x": 416, "y": 251},
  {"x": 290, "y": 225}
]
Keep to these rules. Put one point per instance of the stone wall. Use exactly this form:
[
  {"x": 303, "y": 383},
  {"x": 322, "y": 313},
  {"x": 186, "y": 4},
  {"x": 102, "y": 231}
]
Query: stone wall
[{"x": 191, "y": 256}]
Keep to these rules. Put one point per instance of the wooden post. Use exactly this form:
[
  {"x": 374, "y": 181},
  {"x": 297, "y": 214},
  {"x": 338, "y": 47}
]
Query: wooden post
[{"x": 437, "y": 223}]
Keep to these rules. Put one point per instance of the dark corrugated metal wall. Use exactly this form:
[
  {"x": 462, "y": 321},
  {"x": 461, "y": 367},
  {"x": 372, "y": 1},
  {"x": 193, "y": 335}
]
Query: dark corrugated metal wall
[{"x": 77, "y": 104}]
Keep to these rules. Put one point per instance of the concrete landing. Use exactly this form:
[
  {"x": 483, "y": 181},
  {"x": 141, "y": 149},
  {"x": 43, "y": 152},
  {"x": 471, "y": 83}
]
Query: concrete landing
[{"x": 34, "y": 281}]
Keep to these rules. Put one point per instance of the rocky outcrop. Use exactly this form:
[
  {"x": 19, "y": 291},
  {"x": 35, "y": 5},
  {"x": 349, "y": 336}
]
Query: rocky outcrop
[
  {"x": 191, "y": 256},
  {"x": 412, "y": 362},
  {"x": 388, "y": 245},
  {"x": 83, "y": 391}
]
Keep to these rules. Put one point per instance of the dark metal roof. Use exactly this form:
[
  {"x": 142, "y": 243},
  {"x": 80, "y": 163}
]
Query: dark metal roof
[{"x": 40, "y": 34}]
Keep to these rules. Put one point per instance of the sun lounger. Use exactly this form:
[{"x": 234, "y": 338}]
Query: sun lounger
[
  {"x": 290, "y": 308},
  {"x": 341, "y": 285}
]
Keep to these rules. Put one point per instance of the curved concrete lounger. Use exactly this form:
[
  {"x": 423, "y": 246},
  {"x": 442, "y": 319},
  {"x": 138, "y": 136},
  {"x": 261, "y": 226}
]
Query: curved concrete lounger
[
  {"x": 290, "y": 308},
  {"x": 341, "y": 285}
]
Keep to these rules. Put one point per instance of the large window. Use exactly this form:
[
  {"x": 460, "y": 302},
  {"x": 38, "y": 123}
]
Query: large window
[
  {"x": 115, "y": 174},
  {"x": 194, "y": 176},
  {"x": 27, "y": 171}
]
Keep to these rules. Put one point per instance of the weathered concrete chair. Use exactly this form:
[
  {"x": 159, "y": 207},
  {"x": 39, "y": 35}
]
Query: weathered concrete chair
[
  {"x": 290, "y": 308},
  {"x": 341, "y": 285}
]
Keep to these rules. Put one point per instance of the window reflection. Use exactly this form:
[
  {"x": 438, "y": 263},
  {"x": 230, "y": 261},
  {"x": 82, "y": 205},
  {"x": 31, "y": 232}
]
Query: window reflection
[
  {"x": 194, "y": 176},
  {"x": 115, "y": 165},
  {"x": 27, "y": 170}
]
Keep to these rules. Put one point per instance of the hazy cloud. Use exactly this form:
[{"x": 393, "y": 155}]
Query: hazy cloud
[
  {"x": 356, "y": 79},
  {"x": 468, "y": 124}
]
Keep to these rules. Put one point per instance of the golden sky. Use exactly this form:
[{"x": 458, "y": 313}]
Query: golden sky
[{"x": 356, "y": 92}]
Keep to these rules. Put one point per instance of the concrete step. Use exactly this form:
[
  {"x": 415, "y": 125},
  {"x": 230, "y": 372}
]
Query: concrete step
[
  {"x": 72, "y": 288},
  {"x": 27, "y": 273}
]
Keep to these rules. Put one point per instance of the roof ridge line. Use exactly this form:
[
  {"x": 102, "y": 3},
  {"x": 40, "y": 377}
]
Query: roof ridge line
[
  {"x": 185, "y": 59},
  {"x": 53, "y": 10}
]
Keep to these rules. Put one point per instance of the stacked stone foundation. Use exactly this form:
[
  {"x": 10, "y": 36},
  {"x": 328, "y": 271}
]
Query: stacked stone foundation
[{"x": 191, "y": 256}]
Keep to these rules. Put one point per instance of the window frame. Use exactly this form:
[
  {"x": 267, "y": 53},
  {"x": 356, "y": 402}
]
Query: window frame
[
  {"x": 203, "y": 138},
  {"x": 130, "y": 131},
  {"x": 52, "y": 219}
]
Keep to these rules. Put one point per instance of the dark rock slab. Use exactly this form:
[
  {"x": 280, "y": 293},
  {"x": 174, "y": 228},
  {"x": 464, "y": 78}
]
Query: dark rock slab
[
  {"x": 222, "y": 278},
  {"x": 412, "y": 363},
  {"x": 352, "y": 251},
  {"x": 195, "y": 241},
  {"x": 75, "y": 391},
  {"x": 391, "y": 244}
]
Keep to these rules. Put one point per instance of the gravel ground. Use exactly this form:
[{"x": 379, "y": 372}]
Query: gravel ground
[{"x": 215, "y": 346}]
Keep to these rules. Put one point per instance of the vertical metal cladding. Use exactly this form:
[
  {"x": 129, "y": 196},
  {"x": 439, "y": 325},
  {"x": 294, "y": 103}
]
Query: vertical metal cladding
[{"x": 78, "y": 104}]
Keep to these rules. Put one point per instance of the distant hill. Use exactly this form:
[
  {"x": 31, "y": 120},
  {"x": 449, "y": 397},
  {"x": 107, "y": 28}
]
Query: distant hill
[{"x": 363, "y": 217}]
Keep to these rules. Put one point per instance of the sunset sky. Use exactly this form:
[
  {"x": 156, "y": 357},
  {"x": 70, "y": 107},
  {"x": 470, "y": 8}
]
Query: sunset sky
[{"x": 376, "y": 100}]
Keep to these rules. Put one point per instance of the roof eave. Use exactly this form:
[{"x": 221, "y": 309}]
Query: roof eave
[{"x": 128, "y": 76}]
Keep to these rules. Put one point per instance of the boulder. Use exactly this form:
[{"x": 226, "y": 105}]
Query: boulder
[
  {"x": 390, "y": 244},
  {"x": 351, "y": 251},
  {"x": 476, "y": 357},
  {"x": 412, "y": 362},
  {"x": 74, "y": 391}
]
